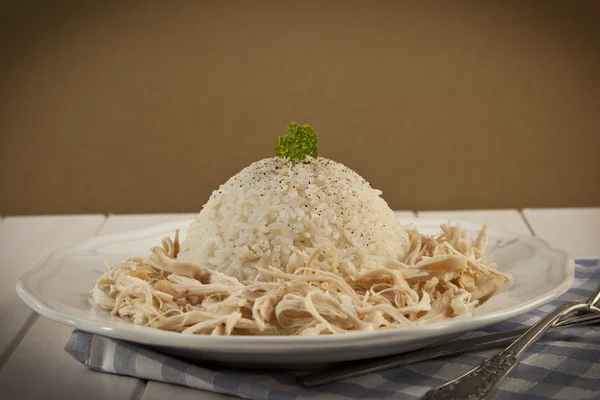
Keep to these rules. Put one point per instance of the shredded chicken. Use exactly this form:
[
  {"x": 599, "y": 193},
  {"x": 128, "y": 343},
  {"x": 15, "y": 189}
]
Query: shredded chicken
[{"x": 442, "y": 276}]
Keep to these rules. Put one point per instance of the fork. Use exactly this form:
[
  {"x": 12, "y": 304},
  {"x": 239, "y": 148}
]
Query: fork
[{"x": 482, "y": 381}]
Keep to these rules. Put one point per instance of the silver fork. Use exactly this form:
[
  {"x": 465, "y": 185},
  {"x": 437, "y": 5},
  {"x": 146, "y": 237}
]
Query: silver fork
[{"x": 481, "y": 382}]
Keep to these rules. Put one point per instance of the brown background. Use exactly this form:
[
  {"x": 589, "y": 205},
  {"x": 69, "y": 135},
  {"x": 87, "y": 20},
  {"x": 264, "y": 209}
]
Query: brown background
[{"x": 149, "y": 106}]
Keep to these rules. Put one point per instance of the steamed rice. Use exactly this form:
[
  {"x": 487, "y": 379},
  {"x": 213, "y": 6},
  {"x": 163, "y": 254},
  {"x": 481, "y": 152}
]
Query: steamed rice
[{"x": 276, "y": 213}]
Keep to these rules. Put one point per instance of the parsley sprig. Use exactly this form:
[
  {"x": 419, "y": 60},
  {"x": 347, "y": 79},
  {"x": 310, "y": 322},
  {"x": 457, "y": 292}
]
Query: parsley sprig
[{"x": 301, "y": 142}]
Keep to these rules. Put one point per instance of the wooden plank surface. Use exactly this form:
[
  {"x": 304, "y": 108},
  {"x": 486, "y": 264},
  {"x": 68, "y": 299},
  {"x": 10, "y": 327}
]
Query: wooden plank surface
[
  {"x": 55, "y": 366},
  {"x": 505, "y": 220},
  {"x": 23, "y": 241},
  {"x": 39, "y": 367},
  {"x": 129, "y": 222},
  {"x": 405, "y": 214},
  {"x": 575, "y": 230}
]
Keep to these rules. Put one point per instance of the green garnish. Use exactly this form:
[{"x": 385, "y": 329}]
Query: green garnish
[{"x": 301, "y": 142}]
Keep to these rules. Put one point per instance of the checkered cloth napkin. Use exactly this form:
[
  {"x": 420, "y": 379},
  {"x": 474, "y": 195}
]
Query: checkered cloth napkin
[{"x": 562, "y": 365}]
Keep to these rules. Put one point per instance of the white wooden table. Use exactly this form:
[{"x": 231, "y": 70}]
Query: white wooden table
[{"x": 33, "y": 364}]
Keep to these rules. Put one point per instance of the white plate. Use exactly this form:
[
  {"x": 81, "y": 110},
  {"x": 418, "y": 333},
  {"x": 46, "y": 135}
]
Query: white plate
[{"x": 58, "y": 289}]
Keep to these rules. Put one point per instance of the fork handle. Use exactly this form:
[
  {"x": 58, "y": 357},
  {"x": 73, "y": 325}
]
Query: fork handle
[{"x": 480, "y": 382}]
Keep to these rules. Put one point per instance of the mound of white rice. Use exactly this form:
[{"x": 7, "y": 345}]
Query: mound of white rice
[{"x": 276, "y": 213}]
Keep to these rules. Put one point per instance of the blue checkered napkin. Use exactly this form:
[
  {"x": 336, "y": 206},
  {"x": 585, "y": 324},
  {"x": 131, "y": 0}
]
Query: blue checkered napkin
[{"x": 563, "y": 365}]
